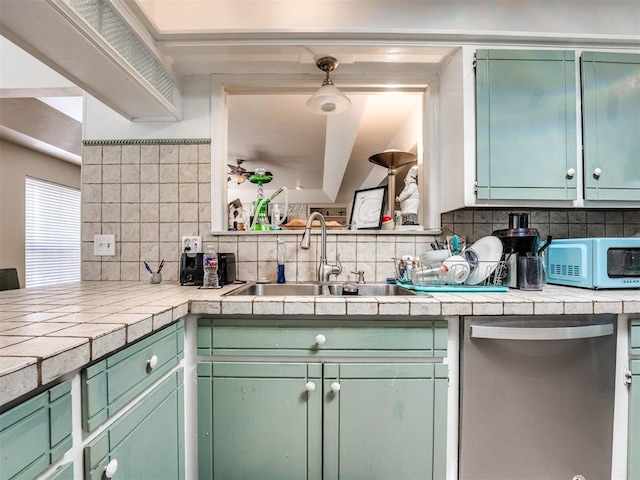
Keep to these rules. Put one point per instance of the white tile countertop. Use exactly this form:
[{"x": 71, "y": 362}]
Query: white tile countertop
[{"x": 51, "y": 331}]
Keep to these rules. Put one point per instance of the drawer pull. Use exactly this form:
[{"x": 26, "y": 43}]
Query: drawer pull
[
  {"x": 111, "y": 468},
  {"x": 335, "y": 387},
  {"x": 320, "y": 339},
  {"x": 152, "y": 362},
  {"x": 597, "y": 172},
  {"x": 309, "y": 386},
  {"x": 571, "y": 172}
]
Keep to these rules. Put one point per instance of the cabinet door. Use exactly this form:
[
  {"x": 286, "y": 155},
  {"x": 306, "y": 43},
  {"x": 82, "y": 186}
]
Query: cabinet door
[
  {"x": 633, "y": 453},
  {"x": 147, "y": 441},
  {"x": 526, "y": 124},
  {"x": 35, "y": 433},
  {"x": 385, "y": 421},
  {"x": 257, "y": 421},
  {"x": 611, "y": 125}
]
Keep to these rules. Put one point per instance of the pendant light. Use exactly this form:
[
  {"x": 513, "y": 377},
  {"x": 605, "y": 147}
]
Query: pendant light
[{"x": 328, "y": 100}]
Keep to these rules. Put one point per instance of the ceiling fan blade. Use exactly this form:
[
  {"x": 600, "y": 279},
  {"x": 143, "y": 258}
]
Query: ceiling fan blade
[{"x": 237, "y": 170}]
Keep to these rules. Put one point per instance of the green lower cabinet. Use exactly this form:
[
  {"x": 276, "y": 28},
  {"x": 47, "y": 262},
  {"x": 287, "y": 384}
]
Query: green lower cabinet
[
  {"x": 110, "y": 384},
  {"x": 36, "y": 433},
  {"x": 257, "y": 421},
  {"x": 384, "y": 421},
  {"x": 145, "y": 442},
  {"x": 633, "y": 454},
  {"x": 63, "y": 472},
  {"x": 287, "y": 420}
]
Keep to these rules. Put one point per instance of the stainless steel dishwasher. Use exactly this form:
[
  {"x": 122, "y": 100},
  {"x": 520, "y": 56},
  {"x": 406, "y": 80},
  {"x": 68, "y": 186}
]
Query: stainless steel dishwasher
[{"x": 537, "y": 396}]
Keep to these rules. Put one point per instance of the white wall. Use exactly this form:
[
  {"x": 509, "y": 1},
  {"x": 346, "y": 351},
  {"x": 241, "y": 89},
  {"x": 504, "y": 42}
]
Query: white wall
[
  {"x": 102, "y": 123},
  {"x": 16, "y": 163},
  {"x": 451, "y": 139},
  {"x": 21, "y": 73}
]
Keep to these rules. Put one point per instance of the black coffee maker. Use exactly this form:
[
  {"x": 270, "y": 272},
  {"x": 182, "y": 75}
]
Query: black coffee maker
[{"x": 520, "y": 246}]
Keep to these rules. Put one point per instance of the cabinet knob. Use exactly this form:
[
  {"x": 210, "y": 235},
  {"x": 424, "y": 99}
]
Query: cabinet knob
[
  {"x": 111, "y": 468},
  {"x": 320, "y": 339},
  {"x": 309, "y": 386},
  {"x": 152, "y": 362},
  {"x": 628, "y": 376},
  {"x": 335, "y": 387},
  {"x": 597, "y": 172},
  {"x": 571, "y": 172}
]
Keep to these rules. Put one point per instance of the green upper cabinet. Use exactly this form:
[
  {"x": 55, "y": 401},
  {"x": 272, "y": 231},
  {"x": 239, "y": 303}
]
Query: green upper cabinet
[
  {"x": 611, "y": 125},
  {"x": 526, "y": 124}
]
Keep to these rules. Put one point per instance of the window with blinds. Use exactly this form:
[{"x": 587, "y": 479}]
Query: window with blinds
[{"x": 52, "y": 234}]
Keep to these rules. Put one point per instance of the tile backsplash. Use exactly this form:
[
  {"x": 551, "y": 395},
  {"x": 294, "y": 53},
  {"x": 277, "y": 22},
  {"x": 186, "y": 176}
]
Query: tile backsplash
[
  {"x": 372, "y": 254},
  {"x": 150, "y": 193},
  {"x": 474, "y": 223}
]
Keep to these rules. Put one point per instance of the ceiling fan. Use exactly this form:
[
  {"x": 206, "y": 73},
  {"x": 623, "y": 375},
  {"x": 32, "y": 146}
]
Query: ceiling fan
[{"x": 239, "y": 174}]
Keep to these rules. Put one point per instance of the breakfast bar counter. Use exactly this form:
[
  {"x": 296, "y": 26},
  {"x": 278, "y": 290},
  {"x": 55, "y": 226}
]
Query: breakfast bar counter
[{"x": 49, "y": 332}]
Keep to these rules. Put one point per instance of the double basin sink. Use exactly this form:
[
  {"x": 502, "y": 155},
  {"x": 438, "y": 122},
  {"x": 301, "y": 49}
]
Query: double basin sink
[{"x": 318, "y": 289}]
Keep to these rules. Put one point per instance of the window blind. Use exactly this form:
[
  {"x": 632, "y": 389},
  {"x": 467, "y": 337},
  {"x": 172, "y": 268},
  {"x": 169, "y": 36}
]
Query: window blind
[{"x": 52, "y": 236}]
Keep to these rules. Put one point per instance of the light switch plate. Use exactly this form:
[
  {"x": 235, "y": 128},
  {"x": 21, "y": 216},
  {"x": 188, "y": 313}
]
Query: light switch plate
[
  {"x": 104, "y": 245},
  {"x": 191, "y": 244}
]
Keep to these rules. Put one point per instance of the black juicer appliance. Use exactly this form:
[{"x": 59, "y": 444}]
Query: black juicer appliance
[
  {"x": 192, "y": 270},
  {"x": 521, "y": 252}
]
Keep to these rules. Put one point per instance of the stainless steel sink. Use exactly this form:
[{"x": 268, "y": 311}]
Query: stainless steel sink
[
  {"x": 371, "y": 290},
  {"x": 277, "y": 289},
  {"x": 314, "y": 289}
]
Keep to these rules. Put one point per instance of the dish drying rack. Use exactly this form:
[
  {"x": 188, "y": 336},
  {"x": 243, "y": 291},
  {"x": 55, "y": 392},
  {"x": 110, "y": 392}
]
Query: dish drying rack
[{"x": 493, "y": 275}]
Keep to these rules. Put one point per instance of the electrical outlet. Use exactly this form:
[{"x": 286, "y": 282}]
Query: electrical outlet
[
  {"x": 104, "y": 245},
  {"x": 191, "y": 244}
]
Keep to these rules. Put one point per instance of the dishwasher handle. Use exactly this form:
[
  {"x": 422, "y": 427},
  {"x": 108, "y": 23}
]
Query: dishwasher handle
[{"x": 542, "y": 333}]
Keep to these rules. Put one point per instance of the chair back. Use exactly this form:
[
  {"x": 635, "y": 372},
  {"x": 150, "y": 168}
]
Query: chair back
[{"x": 9, "y": 279}]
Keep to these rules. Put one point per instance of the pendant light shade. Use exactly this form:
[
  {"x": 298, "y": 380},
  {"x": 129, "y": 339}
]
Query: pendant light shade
[{"x": 328, "y": 100}]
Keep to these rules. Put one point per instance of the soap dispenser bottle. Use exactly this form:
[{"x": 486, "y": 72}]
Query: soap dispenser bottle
[{"x": 282, "y": 253}]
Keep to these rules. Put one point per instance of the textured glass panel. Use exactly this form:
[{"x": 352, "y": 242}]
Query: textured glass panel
[
  {"x": 164, "y": 84},
  {"x": 143, "y": 61},
  {"x": 117, "y": 33},
  {"x": 89, "y": 10}
]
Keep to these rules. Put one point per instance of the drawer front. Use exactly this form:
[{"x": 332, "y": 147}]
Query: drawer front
[
  {"x": 64, "y": 472},
  {"x": 113, "y": 382},
  {"x": 634, "y": 337},
  {"x": 427, "y": 339},
  {"x": 147, "y": 441},
  {"x": 36, "y": 433}
]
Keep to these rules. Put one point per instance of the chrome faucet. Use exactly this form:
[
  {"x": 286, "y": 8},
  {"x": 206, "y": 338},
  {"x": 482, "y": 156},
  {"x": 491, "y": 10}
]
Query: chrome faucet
[{"x": 324, "y": 269}]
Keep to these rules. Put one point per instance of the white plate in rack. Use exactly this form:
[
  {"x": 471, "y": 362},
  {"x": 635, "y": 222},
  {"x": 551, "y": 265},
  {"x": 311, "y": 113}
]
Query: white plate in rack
[{"x": 489, "y": 251}]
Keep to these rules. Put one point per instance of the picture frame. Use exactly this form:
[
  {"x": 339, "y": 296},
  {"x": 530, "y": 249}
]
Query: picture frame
[{"x": 367, "y": 208}]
